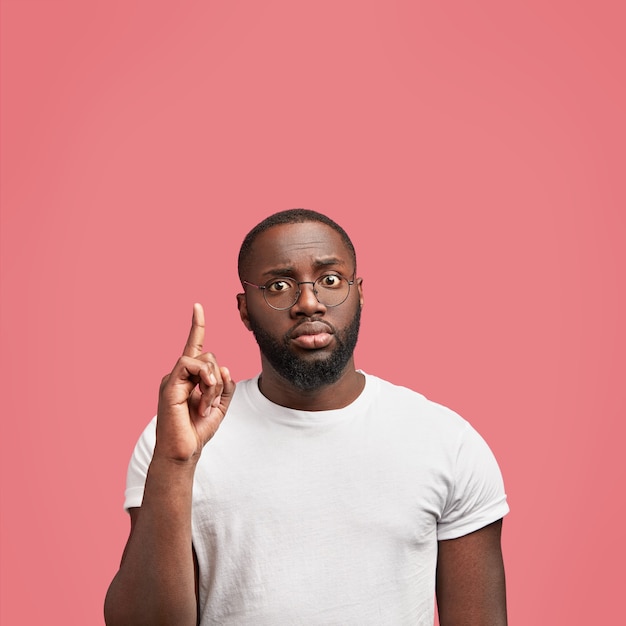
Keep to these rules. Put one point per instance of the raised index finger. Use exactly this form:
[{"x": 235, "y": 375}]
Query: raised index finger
[{"x": 195, "y": 341}]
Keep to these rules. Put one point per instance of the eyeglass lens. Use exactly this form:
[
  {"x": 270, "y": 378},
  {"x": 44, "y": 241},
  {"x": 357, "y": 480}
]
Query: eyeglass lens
[{"x": 283, "y": 293}]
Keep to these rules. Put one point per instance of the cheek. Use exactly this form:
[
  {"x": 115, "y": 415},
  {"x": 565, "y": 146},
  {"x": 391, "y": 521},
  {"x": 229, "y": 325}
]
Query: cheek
[
  {"x": 341, "y": 320},
  {"x": 275, "y": 323}
]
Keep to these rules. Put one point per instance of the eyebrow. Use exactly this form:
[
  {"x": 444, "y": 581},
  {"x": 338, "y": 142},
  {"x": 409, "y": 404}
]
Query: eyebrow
[{"x": 287, "y": 270}]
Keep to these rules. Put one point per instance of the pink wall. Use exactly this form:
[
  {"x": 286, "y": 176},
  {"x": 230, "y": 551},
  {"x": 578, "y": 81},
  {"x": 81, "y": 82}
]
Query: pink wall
[{"x": 475, "y": 153}]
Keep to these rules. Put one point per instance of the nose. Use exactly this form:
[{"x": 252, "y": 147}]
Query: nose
[{"x": 307, "y": 303}]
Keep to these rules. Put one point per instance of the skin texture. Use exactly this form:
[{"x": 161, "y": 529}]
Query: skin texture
[
  {"x": 158, "y": 579},
  {"x": 470, "y": 579}
]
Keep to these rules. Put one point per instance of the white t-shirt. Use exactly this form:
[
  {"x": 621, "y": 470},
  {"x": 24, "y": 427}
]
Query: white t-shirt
[{"x": 331, "y": 517}]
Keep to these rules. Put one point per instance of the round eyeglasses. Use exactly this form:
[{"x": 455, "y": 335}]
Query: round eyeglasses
[{"x": 283, "y": 292}]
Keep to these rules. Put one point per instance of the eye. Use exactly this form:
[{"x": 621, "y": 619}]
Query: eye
[
  {"x": 329, "y": 281},
  {"x": 279, "y": 285}
]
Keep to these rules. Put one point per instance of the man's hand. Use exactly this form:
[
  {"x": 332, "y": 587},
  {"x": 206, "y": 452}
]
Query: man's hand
[
  {"x": 157, "y": 581},
  {"x": 193, "y": 399}
]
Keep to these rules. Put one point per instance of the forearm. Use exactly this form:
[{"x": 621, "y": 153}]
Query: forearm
[{"x": 156, "y": 580}]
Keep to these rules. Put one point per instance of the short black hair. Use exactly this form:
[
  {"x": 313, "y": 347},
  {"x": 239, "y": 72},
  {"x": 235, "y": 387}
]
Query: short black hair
[{"x": 290, "y": 216}]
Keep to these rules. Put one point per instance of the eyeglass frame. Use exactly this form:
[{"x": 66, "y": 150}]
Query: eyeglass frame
[{"x": 263, "y": 288}]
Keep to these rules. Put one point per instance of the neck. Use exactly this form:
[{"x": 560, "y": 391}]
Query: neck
[{"x": 328, "y": 397}]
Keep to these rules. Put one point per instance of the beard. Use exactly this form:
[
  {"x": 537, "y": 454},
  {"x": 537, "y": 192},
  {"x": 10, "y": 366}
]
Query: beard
[{"x": 308, "y": 375}]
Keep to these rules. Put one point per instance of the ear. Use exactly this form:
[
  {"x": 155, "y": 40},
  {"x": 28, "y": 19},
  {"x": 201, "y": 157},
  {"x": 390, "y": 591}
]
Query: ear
[
  {"x": 359, "y": 285},
  {"x": 242, "y": 305}
]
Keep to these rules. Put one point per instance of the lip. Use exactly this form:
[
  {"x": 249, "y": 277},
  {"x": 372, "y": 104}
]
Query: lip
[
  {"x": 311, "y": 328},
  {"x": 312, "y": 335}
]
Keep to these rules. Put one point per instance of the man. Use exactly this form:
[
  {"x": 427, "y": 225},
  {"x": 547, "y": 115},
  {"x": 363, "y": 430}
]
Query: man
[{"x": 327, "y": 495}]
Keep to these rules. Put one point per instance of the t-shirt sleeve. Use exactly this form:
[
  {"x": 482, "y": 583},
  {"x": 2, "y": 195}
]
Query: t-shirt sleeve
[
  {"x": 138, "y": 466},
  {"x": 477, "y": 497}
]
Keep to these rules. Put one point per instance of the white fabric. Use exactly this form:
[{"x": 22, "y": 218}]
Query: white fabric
[{"x": 331, "y": 517}]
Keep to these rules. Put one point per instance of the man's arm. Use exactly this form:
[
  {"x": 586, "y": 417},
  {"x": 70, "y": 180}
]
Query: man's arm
[
  {"x": 157, "y": 579},
  {"x": 470, "y": 579}
]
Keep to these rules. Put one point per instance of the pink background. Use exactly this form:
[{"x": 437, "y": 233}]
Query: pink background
[{"x": 474, "y": 151}]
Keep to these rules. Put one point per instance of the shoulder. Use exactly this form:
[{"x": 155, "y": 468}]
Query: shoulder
[{"x": 398, "y": 400}]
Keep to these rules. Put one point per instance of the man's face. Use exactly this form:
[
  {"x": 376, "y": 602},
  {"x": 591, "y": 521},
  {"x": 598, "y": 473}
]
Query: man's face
[{"x": 310, "y": 345}]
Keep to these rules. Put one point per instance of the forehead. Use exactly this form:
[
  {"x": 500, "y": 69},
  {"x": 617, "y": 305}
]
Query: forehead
[{"x": 298, "y": 246}]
